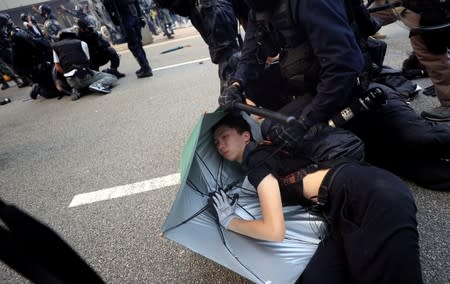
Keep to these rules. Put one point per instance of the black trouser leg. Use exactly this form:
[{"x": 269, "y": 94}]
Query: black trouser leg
[
  {"x": 113, "y": 58},
  {"x": 328, "y": 264},
  {"x": 372, "y": 217},
  {"x": 134, "y": 40},
  {"x": 374, "y": 213},
  {"x": 398, "y": 139}
]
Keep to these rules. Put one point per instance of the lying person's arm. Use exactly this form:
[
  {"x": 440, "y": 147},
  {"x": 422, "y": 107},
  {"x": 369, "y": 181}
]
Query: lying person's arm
[{"x": 271, "y": 227}]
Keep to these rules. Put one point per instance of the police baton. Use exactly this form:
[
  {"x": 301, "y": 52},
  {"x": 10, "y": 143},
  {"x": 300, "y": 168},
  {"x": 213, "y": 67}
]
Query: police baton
[{"x": 265, "y": 113}]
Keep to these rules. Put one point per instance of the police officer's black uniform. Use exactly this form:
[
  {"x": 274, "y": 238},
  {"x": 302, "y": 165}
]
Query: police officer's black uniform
[
  {"x": 320, "y": 57},
  {"x": 100, "y": 50},
  {"x": 127, "y": 13}
]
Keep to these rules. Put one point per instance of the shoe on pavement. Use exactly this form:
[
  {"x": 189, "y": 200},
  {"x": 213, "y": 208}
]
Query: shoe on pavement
[
  {"x": 76, "y": 94},
  {"x": 138, "y": 71},
  {"x": 145, "y": 73},
  {"x": 439, "y": 114},
  {"x": 100, "y": 88},
  {"x": 5, "y": 86},
  {"x": 114, "y": 72},
  {"x": 430, "y": 91},
  {"x": 35, "y": 92},
  {"x": 5, "y": 101}
]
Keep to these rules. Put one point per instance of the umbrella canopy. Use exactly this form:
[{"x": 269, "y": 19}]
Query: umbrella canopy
[{"x": 192, "y": 224}]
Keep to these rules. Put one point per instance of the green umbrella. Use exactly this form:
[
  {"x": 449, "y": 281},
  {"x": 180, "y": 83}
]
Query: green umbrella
[{"x": 191, "y": 221}]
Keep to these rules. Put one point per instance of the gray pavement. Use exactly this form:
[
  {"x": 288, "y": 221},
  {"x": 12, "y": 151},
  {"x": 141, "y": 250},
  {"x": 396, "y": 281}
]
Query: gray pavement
[{"x": 52, "y": 150}]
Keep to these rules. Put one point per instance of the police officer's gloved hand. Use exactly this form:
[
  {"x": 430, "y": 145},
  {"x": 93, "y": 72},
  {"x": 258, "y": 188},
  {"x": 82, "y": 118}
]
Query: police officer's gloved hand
[
  {"x": 142, "y": 22},
  {"x": 290, "y": 135},
  {"x": 230, "y": 95},
  {"x": 224, "y": 208}
]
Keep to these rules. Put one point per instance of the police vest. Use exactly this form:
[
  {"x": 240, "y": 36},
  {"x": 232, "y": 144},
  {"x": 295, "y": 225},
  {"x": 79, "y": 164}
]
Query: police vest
[
  {"x": 299, "y": 67},
  {"x": 71, "y": 55}
]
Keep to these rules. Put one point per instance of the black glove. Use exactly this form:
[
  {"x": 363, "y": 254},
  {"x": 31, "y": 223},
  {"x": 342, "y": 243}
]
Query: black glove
[
  {"x": 230, "y": 95},
  {"x": 290, "y": 135},
  {"x": 142, "y": 22}
]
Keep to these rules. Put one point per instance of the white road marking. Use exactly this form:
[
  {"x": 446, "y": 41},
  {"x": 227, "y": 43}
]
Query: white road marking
[
  {"x": 125, "y": 190},
  {"x": 181, "y": 64}
]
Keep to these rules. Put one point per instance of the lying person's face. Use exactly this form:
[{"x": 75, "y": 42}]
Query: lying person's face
[{"x": 230, "y": 143}]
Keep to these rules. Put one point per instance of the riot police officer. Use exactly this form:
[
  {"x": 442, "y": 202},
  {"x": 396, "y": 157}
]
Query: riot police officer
[
  {"x": 127, "y": 14},
  {"x": 217, "y": 22},
  {"x": 101, "y": 51},
  {"x": 6, "y": 54},
  {"x": 321, "y": 59},
  {"x": 51, "y": 24}
]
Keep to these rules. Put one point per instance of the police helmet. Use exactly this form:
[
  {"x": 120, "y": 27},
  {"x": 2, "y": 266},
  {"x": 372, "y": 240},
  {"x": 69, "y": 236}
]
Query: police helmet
[
  {"x": 44, "y": 9},
  {"x": 5, "y": 20},
  {"x": 19, "y": 34}
]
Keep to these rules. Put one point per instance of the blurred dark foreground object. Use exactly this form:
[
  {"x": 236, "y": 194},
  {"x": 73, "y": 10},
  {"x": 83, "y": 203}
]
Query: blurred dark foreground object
[{"x": 37, "y": 252}]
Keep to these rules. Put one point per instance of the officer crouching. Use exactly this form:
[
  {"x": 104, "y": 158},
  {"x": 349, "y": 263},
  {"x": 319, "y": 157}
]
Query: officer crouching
[{"x": 71, "y": 58}]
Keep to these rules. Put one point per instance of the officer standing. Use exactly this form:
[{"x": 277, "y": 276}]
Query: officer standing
[
  {"x": 321, "y": 60},
  {"x": 216, "y": 21},
  {"x": 127, "y": 14}
]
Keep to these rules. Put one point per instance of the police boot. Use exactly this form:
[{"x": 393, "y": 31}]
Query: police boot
[
  {"x": 412, "y": 69},
  {"x": 75, "y": 94},
  {"x": 147, "y": 72},
  {"x": 115, "y": 72}
]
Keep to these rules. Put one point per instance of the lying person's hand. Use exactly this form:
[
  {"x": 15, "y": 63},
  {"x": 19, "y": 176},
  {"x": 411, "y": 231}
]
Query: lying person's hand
[{"x": 225, "y": 208}]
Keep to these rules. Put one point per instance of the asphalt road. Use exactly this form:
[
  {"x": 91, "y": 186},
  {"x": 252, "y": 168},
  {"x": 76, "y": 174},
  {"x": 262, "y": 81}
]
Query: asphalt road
[{"x": 52, "y": 150}]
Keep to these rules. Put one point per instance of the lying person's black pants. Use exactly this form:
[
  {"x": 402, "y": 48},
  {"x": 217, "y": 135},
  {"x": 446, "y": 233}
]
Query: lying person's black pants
[{"x": 372, "y": 234}]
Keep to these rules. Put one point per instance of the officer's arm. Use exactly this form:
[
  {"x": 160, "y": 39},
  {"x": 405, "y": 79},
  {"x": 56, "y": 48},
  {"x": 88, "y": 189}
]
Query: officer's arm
[
  {"x": 58, "y": 66},
  {"x": 333, "y": 43},
  {"x": 249, "y": 68},
  {"x": 271, "y": 227}
]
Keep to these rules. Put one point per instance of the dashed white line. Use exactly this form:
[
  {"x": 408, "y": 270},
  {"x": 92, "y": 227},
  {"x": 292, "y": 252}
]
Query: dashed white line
[{"x": 124, "y": 190}]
